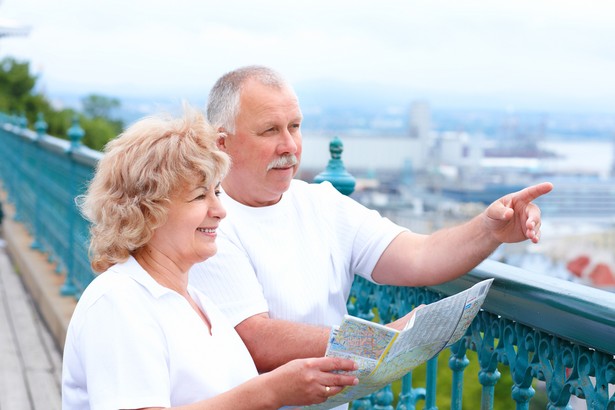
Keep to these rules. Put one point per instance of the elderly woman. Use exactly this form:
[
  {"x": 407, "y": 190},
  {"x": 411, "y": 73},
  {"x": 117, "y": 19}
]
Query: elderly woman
[{"x": 140, "y": 336}]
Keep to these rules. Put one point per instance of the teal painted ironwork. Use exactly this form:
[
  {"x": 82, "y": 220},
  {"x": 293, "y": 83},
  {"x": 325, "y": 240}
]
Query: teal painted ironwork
[
  {"x": 40, "y": 126},
  {"x": 336, "y": 172},
  {"x": 42, "y": 175},
  {"x": 536, "y": 352},
  {"x": 564, "y": 361},
  {"x": 409, "y": 396},
  {"x": 383, "y": 399},
  {"x": 402, "y": 302},
  {"x": 431, "y": 384},
  {"x": 363, "y": 308},
  {"x": 75, "y": 134},
  {"x": 517, "y": 350},
  {"x": 41, "y": 129},
  {"x": 488, "y": 375},
  {"x": 458, "y": 362}
]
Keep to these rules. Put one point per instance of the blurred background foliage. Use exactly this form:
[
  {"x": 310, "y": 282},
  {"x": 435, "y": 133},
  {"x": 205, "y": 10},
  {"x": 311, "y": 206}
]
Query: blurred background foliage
[{"x": 19, "y": 96}]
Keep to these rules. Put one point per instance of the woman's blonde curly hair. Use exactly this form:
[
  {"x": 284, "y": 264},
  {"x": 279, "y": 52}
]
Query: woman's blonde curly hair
[{"x": 141, "y": 169}]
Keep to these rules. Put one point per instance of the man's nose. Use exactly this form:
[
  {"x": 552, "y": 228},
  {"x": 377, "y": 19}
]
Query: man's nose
[{"x": 288, "y": 143}]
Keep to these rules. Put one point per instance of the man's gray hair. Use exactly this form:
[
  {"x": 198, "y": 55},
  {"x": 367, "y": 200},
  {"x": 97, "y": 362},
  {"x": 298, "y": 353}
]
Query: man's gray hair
[{"x": 223, "y": 103}]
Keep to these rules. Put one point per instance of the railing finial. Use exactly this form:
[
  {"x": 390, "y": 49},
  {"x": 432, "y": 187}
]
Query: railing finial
[
  {"x": 336, "y": 172},
  {"x": 40, "y": 125},
  {"x": 22, "y": 121},
  {"x": 75, "y": 134}
]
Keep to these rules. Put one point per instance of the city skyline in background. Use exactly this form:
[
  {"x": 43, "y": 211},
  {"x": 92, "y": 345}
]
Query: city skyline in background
[
  {"x": 506, "y": 56},
  {"x": 451, "y": 103}
]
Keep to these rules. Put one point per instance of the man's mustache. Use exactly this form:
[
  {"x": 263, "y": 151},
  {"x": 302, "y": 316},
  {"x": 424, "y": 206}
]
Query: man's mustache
[{"x": 285, "y": 161}]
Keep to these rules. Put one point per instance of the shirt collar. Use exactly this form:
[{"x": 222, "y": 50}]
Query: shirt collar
[{"x": 132, "y": 269}]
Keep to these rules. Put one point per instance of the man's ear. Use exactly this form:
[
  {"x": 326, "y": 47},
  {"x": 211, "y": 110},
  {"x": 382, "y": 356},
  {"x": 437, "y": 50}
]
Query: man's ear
[{"x": 221, "y": 139}]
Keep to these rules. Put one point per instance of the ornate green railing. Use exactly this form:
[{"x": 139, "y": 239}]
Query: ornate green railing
[
  {"x": 42, "y": 175},
  {"x": 533, "y": 327}
]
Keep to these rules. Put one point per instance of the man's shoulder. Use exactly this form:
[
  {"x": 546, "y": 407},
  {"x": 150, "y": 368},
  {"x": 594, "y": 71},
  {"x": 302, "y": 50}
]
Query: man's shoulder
[
  {"x": 324, "y": 194},
  {"x": 301, "y": 186}
]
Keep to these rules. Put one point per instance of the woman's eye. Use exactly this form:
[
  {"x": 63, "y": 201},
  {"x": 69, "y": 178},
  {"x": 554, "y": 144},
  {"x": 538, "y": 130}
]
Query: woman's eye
[{"x": 199, "y": 197}]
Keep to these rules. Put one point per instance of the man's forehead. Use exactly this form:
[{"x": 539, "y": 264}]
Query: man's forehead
[{"x": 270, "y": 101}]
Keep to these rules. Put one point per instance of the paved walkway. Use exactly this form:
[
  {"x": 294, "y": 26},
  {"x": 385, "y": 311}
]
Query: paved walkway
[
  {"x": 33, "y": 322},
  {"x": 31, "y": 360}
]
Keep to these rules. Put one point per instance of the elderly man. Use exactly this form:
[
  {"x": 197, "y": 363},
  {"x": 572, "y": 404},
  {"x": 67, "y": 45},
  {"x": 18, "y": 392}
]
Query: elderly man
[{"x": 289, "y": 250}]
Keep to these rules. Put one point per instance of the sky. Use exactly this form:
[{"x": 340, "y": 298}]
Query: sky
[{"x": 520, "y": 53}]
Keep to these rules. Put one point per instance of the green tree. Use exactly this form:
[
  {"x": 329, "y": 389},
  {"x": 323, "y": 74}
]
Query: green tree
[
  {"x": 99, "y": 106},
  {"x": 98, "y": 131},
  {"x": 16, "y": 85},
  {"x": 100, "y": 123},
  {"x": 18, "y": 96},
  {"x": 58, "y": 121}
]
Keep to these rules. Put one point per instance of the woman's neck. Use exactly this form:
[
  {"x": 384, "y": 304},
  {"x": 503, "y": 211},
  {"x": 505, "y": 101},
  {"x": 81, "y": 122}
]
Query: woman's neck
[
  {"x": 168, "y": 274},
  {"x": 163, "y": 270}
]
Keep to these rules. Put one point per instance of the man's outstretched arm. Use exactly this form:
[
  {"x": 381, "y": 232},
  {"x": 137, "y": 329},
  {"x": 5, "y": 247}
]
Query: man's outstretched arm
[{"x": 420, "y": 260}]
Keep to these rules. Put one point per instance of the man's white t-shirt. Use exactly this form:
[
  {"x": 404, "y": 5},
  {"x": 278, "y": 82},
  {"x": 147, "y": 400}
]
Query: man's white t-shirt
[
  {"x": 295, "y": 259},
  {"x": 134, "y": 343}
]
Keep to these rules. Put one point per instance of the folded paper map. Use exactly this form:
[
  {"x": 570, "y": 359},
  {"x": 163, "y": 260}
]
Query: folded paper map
[{"x": 385, "y": 354}]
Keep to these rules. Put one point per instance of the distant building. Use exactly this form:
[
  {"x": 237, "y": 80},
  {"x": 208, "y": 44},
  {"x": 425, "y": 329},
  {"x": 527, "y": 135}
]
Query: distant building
[
  {"x": 9, "y": 28},
  {"x": 613, "y": 161},
  {"x": 420, "y": 120},
  {"x": 420, "y": 131},
  {"x": 12, "y": 28}
]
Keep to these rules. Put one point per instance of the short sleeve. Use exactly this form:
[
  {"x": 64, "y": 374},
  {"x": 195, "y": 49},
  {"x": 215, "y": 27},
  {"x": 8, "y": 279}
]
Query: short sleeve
[{"x": 363, "y": 233}]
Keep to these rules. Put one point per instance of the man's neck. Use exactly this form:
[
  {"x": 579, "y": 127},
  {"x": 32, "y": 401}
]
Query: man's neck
[{"x": 240, "y": 196}]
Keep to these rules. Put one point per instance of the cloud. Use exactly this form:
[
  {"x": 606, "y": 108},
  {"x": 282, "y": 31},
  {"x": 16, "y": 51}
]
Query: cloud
[{"x": 552, "y": 49}]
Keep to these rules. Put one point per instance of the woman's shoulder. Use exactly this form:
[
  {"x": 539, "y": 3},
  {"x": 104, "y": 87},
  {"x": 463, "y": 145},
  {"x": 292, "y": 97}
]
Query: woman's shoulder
[
  {"x": 110, "y": 283},
  {"x": 118, "y": 283}
]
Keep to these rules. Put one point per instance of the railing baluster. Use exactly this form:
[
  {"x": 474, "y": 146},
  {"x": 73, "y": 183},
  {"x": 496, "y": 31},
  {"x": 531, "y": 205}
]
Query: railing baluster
[
  {"x": 487, "y": 358},
  {"x": 409, "y": 395},
  {"x": 522, "y": 391},
  {"x": 431, "y": 383},
  {"x": 75, "y": 134},
  {"x": 364, "y": 304},
  {"x": 458, "y": 363},
  {"x": 41, "y": 130},
  {"x": 383, "y": 399},
  {"x": 404, "y": 301}
]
